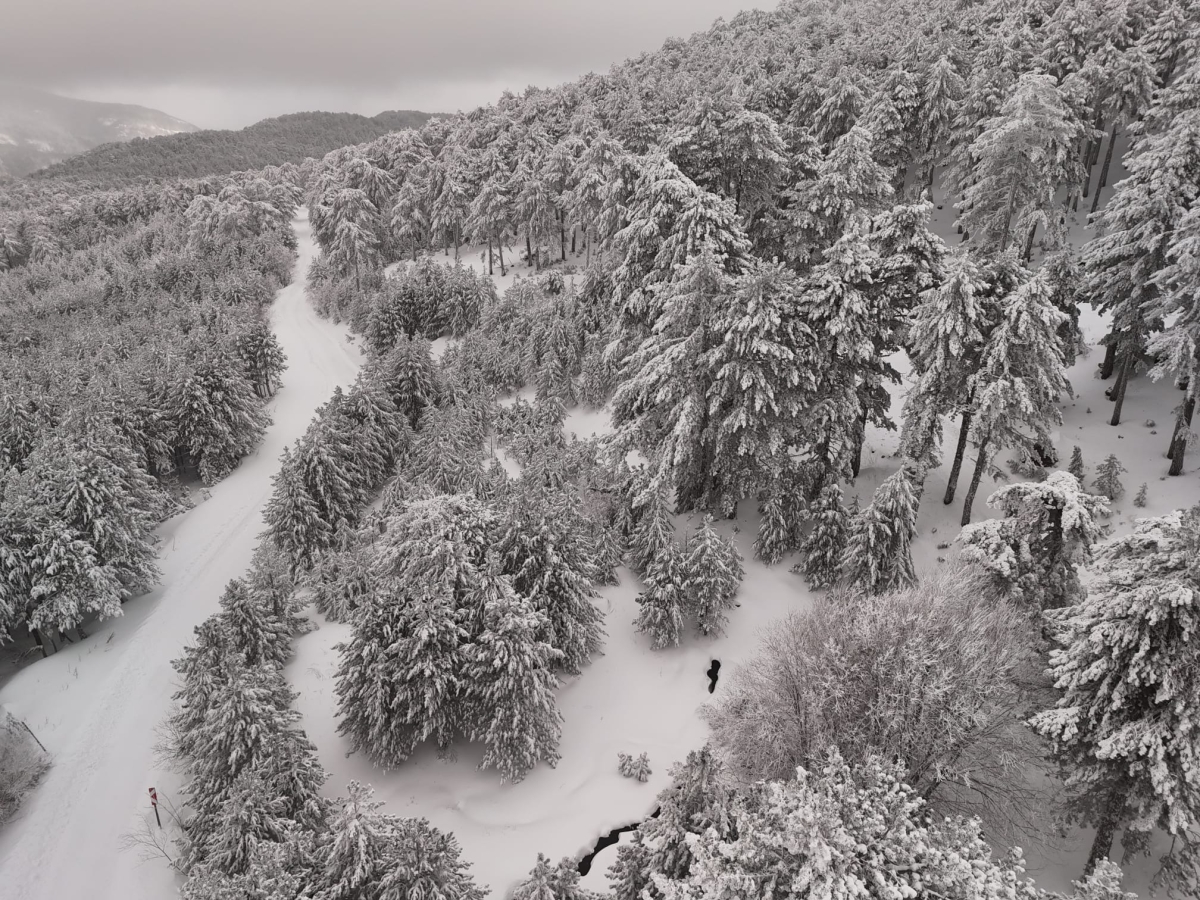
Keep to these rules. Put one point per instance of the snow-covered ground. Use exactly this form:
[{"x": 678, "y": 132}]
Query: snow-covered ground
[{"x": 97, "y": 705}]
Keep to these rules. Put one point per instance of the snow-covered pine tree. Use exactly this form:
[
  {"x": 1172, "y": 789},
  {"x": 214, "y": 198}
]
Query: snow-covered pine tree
[
  {"x": 763, "y": 381},
  {"x": 1140, "y": 499},
  {"x": 696, "y": 802},
  {"x": 553, "y": 882},
  {"x": 713, "y": 575},
  {"x": 1046, "y": 533},
  {"x": 878, "y": 554},
  {"x": 663, "y": 601},
  {"x": 634, "y": 767},
  {"x": 1075, "y": 466},
  {"x": 248, "y": 717},
  {"x": 263, "y": 360},
  {"x": 252, "y": 627},
  {"x": 294, "y": 521},
  {"x": 654, "y": 534},
  {"x": 945, "y": 340},
  {"x": 1022, "y": 375},
  {"x": 823, "y": 548},
  {"x": 1108, "y": 477},
  {"x": 343, "y": 577},
  {"x": 1124, "y": 725},
  {"x": 774, "y": 531},
  {"x": 407, "y": 374},
  {"x": 1022, "y": 158},
  {"x": 509, "y": 680},
  {"x": 551, "y": 566},
  {"x": 399, "y": 681},
  {"x": 661, "y": 405},
  {"x": 368, "y": 855}
]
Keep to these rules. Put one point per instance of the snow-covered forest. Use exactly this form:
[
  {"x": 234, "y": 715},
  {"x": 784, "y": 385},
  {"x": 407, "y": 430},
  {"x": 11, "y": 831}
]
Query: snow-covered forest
[{"x": 778, "y": 446}]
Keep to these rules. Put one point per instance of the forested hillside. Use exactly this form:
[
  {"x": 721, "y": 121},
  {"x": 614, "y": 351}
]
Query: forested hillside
[
  {"x": 271, "y": 142},
  {"x": 742, "y": 258}
]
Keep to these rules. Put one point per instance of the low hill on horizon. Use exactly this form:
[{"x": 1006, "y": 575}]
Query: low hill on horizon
[
  {"x": 271, "y": 142},
  {"x": 38, "y": 128}
]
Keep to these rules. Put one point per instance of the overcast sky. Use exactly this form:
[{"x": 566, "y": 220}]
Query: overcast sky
[{"x": 228, "y": 63}]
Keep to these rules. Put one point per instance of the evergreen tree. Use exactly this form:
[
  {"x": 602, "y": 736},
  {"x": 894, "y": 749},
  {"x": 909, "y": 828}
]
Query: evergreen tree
[
  {"x": 1126, "y": 665},
  {"x": 1075, "y": 466},
  {"x": 293, "y": 518},
  {"x": 547, "y": 882},
  {"x": 343, "y": 578},
  {"x": 664, "y": 601},
  {"x": 653, "y": 535},
  {"x": 878, "y": 554},
  {"x": 263, "y": 360},
  {"x": 399, "y": 681},
  {"x": 824, "y": 547},
  {"x": 510, "y": 674},
  {"x": 713, "y": 574},
  {"x": 1021, "y": 377},
  {"x": 550, "y": 566},
  {"x": 696, "y": 802},
  {"x": 1140, "y": 499},
  {"x": 367, "y": 855},
  {"x": 252, "y": 628},
  {"x": 1023, "y": 156},
  {"x": 1034, "y": 551},
  {"x": 774, "y": 531},
  {"x": 1108, "y": 477}
]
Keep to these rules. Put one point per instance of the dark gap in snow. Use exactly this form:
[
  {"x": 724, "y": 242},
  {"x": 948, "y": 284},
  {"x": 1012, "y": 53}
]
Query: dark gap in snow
[
  {"x": 607, "y": 840},
  {"x": 713, "y": 671}
]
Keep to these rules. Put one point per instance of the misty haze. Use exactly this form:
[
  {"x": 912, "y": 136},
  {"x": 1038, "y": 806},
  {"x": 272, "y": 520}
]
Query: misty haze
[{"x": 657, "y": 450}]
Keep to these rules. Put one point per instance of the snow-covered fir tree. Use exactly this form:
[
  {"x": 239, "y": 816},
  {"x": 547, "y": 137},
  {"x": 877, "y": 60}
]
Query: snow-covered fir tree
[
  {"x": 696, "y": 802},
  {"x": 1034, "y": 551},
  {"x": 1125, "y": 722},
  {"x": 663, "y": 602},
  {"x": 400, "y": 679},
  {"x": 713, "y": 574},
  {"x": 510, "y": 676},
  {"x": 1139, "y": 499},
  {"x": 294, "y": 520},
  {"x": 553, "y": 882},
  {"x": 824, "y": 547},
  {"x": 878, "y": 552},
  {"x": 252, "y": 627},
  {"x": 1108, "y": 477},
  {"x": 1075, "y": 466},
  {"x": 654, "y": 534}
]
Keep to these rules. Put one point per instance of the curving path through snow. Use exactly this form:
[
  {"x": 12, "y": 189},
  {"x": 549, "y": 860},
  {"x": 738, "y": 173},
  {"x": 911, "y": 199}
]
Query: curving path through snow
[{"x": 97, "y": 705}]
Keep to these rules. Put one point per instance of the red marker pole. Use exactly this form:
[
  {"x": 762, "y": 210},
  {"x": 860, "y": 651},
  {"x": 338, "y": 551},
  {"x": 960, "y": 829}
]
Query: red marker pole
[{"x": 154, "y": 803}]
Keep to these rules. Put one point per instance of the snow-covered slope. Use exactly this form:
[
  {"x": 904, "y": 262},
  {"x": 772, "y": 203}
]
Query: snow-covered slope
[
  {"x": 97, "y": 705},
  {"x": 38, "y": 128}
]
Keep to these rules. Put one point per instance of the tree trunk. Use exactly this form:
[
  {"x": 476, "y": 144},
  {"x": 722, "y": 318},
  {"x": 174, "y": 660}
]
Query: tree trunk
[
  {"x": 1108, "y": 155},
  {"x": 860, "y": 438},
  {"x": 528, "y": 248},
  {"x": 1029, "y": 242},
  {"x": 959, "y": 452},
  {"x": 457, "y": 241},
  {"x": 500, "y": 251},
  {"x": 562, "y": 239},
  {"x": 976, "y": 477},
  {"x": 1106, "y": 830},
  {"x": 1122, "y": 383},
  {"x": 1183, "y": 425},
  {"x": 491, "y": 268},
  {"x": 37, "y": 636},
  {"x": 1110, "y": 358},
  {"x": 574, "y": 234},
  {"x": 1008, "y": 214}
]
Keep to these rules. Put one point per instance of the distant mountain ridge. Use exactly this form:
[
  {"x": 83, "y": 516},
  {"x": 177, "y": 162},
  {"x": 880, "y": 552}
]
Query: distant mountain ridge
[
  {"x": 38, "y": 128},
  {"x": 271, "y": 142}
]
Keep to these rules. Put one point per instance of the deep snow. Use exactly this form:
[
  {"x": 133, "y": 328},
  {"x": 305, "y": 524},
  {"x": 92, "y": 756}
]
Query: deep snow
[{"x": 97, "y": 705}]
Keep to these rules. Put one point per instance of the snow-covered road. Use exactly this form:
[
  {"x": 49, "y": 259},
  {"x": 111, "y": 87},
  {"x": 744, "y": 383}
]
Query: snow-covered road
[{"x": 97, "y": 705}]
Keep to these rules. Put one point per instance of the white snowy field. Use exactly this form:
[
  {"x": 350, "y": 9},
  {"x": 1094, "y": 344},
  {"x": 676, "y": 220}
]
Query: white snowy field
[{"x": 97, "y": 705}]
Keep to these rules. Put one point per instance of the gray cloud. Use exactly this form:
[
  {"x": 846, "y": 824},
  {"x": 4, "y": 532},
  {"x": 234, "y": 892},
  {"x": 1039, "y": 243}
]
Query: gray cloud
[{"x": 226, "y": 60}]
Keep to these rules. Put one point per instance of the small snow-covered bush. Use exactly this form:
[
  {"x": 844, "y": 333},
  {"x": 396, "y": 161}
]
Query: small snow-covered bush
[
  {"x": 1108, "y": 478},
  {"x": 631, "y": 767},
  {"x": 22, "y": 762}
]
